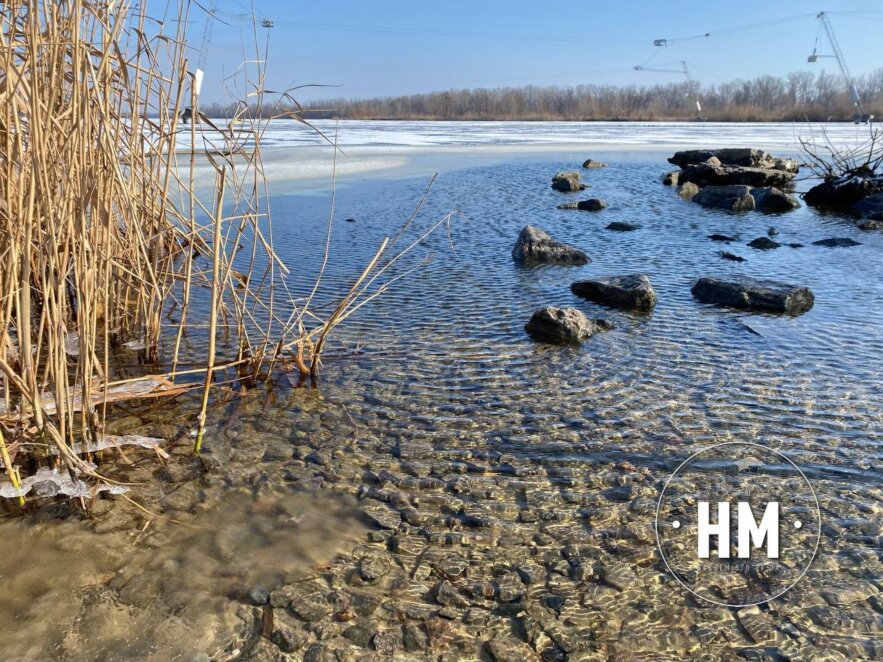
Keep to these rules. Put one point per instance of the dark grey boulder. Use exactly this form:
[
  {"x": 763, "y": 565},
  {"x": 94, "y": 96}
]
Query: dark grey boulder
[
  {"x": 772, "y": 232},
  {"x": 704, "y": 174},
  {"x": 731, "y": 256},
  {"x": 763, "y": 244},
  {"x": 688, "y": 191},
  {"x": 731, "y": 198},
  {"x": 721, "y": 237},
  {"x": 843, "y": 191},
  {"x": 592, "y": 204},
  {"x": 589, "y": 164},
  {"x": 751, "y": 294},
  {"x": 837, "y": 242},
  {"x": 620, "y": 226},
  {"x": 769, "y": 199},
  {"x": 567, "y": 182},
  {"x": 632, "y": 292},
  {"x": 870, "y": 224},
  {"x": 736, "y": 156},
  {"x": 671, "y": 178},
  {"x": 535, "y": 246},
  {"x": 562, "y": 325},
  {"x": 873, "y": 204}
]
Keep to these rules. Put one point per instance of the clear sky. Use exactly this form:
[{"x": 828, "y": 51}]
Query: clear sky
[{"x": 392, "y": 47}]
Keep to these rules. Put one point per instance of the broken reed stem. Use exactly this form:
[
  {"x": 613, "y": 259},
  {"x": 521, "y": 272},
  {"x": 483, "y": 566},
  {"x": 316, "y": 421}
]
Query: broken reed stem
[{"x": 217, "y": 292}]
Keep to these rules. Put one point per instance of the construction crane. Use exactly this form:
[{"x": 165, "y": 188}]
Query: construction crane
[
  {"x": 825, "y": 23},
  {"x": 686, "y": 73}
]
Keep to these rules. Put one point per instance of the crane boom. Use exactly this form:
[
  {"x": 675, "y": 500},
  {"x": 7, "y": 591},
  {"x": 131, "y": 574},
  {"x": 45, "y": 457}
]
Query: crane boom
[{"x": 838, "y": 55}]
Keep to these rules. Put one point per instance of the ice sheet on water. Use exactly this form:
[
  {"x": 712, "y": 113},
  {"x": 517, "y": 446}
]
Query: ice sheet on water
[
  {"x": 677, "y": 135},
  {"x": 52, "y": 482}
]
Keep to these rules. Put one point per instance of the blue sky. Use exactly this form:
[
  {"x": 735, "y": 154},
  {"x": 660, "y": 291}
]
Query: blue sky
[{"x": 391, "y": 47}]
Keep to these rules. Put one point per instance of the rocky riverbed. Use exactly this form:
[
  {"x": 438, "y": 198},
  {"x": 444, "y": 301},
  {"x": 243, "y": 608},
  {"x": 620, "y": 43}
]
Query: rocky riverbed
[{"x": 453, "y": 489}]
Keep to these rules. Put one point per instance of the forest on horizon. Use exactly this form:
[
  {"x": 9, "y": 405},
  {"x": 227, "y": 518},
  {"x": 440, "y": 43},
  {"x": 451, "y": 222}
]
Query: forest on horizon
[{"x": 798, "y": 96}]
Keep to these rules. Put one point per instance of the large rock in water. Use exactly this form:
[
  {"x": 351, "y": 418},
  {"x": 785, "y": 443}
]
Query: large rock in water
[
  {"x": 769, "y": 199},
  {"x": 592, "y": 204},
  {"x": 562, "y": 325},
  {"x": 632, "y": 291},
  {"x": 737, "y": 156},
  {"x": 706, "y": 174},
  {"x": 732, "y": 198},
  {"x": 567, "y": 182},
  {"x": 534, "y": 245},
  {"x": 751, "y": 294},
  {"x": 843, "y": 191},
  {"x": 590, "y": 164}
]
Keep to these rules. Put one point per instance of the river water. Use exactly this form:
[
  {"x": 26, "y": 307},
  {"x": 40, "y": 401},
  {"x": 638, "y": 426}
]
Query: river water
[{"x": 452, "y": 489}]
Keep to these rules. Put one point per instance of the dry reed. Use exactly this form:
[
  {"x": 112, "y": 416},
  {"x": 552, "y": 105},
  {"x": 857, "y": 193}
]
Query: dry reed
[{"x": 104, "y": 241}]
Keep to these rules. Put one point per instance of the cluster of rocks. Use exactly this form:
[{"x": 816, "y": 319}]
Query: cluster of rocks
[
  {"x": 734, "y": 179},
  {"x": 860, "y": 194}
]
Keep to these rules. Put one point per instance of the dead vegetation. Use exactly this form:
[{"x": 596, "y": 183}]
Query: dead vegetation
[{"x": 105, "y": 247}]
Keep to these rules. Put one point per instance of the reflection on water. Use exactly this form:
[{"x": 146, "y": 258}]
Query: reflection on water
[{"x": 502, "y": 491}]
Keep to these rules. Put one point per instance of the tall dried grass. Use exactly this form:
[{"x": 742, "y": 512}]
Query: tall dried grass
[{"x": 104, "y": 242}]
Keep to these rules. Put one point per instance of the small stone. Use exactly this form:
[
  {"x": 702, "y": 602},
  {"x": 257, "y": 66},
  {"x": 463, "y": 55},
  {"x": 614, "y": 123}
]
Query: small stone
[
  {"x": 633, "y": 291},
  {"x": 534, "y": 245},
  {"x": 258, "y": 596},
  {"x": 590, "y": 164},
  {"x": 509, "y": 587},
  {"x": 503, "y": 648},
  {"x": 446, "y": 593},
  {"x": 360, "y": 635},
  {"x": 869, "y": 224},
  {"x": 414, "y": 638},
  {"x": 772, "y": 232},
  {"x": 311, "y": 607},
  {"x": 372, "y": 568},
  {"x": 731, "y": 256},
  {"x": 288, "y": 640},
  {"x": 386, "y": 642},
  {"x": 350, "y": 220},
  {"x": 592, "y": 204},
  {"x": 381, "y": 514},
  {"x": 721, "y": 237}
]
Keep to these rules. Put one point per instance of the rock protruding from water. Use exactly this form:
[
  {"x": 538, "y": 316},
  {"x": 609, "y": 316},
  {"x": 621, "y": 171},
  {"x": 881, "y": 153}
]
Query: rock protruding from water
[
  {"x": 738, "y": 156},
  {"x": 837, "y": 242},
  {"x": 671, "y": 178},
  {"x": 763, "y": 244},
  {"x": 732, "y": 257},
  {"x": 771, "y": 200},
  {"x": 590, "y": 164},
  {"x": 709, "y": 174},
  {"x": 563, "y": 325},
  {"x": 535, "y": 246},
  {"x": 843, "y": 191},
  {"x": 688, "y": 191},
  {"x": 731, "y": 198},
  {"x": 721, "y": 237},
  {"x": 567, "y": 182},
  {"x": 751, "y": 294},
  {"x": 621, "y": 226},
  {"x": 633, "y": 292},
  {"x": 592, "y": 204}
]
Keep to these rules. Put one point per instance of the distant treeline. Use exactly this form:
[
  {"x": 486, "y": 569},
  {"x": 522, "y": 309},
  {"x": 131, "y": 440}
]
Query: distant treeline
[{"x": 798, "y": 96}]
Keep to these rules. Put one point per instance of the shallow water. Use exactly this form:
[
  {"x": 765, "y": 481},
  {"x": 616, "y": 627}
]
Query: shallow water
[{"x": 499, "y": 457}]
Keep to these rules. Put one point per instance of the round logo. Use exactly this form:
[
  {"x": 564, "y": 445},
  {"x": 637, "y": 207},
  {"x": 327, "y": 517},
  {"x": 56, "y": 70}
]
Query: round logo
[{"x": 738, "y": 524}]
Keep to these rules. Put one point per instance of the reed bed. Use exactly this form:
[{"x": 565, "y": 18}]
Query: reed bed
[{"x": 106, "y": 248}]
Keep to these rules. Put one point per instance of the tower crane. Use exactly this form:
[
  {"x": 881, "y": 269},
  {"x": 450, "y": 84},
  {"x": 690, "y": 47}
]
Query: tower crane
[
  {"x": 825, "y": 23},
  {"x": 683, "y": 70}
]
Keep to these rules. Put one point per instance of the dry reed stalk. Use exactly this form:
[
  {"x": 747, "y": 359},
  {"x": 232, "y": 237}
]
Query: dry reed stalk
[{"x": 104, "y": 239}]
